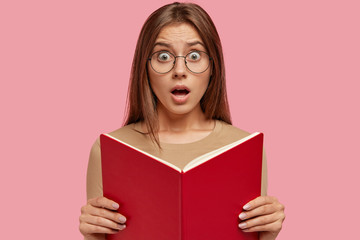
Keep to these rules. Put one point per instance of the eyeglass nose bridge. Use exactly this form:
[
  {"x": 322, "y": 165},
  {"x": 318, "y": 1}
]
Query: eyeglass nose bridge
[{"x": 175, "y": 61}]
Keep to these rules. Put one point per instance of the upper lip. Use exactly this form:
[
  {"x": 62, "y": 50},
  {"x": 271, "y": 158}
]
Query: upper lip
[{"x": 180, "y": 87}]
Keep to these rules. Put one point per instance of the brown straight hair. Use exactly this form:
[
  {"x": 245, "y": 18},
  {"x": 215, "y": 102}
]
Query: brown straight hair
[{"x": 141, "y": 101}]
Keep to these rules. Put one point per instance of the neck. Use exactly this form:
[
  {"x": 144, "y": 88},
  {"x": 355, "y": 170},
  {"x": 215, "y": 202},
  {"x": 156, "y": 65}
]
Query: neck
[{"x": 171, "y": 122}]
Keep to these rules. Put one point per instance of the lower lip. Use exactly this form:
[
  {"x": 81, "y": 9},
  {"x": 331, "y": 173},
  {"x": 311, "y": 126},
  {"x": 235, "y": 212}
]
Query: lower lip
[{"x": 180, "y": 99}]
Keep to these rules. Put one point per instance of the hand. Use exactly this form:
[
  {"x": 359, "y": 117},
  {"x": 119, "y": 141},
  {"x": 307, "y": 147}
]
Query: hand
[
  {"x": 264, "y": 214},
  {"x": 98, "y": 217}
]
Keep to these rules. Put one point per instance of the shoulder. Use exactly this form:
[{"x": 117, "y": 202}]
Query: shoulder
[
  {"x": 123, "y": 131},
  {"x": 130, "y": 134},
  {"x": 230, "y": 131},
  {"x": 225, "y": 134},
  {"x": 123, "y": 134}
]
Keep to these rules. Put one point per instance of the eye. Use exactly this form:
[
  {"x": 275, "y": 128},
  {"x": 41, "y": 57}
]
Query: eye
[
  {"x": 164, "y": 56},
  {"x": 194, "y": 56}
]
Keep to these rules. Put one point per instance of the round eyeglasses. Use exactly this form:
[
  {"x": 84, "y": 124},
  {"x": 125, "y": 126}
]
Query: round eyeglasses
[{"x": 164, "y": 61}]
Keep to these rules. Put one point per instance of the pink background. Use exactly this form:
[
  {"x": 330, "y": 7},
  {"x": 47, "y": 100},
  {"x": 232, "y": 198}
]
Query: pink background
[{"x": 292, "y": 70}]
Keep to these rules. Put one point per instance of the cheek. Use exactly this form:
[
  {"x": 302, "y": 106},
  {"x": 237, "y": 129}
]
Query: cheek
[
  {"x": 154, "y": 88},
  {"x": 157, "y": 85},
  {"x": 205, "y": 83}
]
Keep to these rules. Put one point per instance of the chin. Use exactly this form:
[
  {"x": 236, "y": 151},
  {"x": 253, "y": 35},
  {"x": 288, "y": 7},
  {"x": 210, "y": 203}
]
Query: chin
[{"x": 182, "y": 110}]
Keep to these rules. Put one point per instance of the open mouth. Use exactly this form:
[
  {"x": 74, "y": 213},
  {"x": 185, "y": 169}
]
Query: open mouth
[{"x": 180, "y": 92}]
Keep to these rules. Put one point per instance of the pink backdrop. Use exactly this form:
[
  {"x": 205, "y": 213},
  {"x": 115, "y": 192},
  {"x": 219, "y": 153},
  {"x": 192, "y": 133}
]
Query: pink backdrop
[{"x": 292, "y": 70}]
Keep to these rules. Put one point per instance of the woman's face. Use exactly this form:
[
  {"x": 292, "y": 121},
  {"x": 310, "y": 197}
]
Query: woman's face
[{"x": 179, "y": 91}]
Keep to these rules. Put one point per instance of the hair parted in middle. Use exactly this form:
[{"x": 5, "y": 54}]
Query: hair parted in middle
[{"x": 141, "y": 101}]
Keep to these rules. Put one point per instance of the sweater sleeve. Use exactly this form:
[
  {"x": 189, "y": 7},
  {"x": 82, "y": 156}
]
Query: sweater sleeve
[
  {"x": 94, "y": 186},
  {"x": 264, "y": 175}
]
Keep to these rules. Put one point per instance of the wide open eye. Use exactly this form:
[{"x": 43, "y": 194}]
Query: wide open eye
[
  {"x": 164, "y": 57},
  {"x": 194, "y": 56}
]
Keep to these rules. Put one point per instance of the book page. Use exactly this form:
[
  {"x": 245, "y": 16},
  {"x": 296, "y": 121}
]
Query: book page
[
  {"x": 203, "y": 158},
  {"x": 147, "y": 154}
]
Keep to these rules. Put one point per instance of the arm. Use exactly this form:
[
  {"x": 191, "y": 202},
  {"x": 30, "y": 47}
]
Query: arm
[
  {"x": 264, "y": 176},
  {"x": 264, "y": 214},
  {"x": 98, "y": 217},
  {"x": 94, "y": 186}
]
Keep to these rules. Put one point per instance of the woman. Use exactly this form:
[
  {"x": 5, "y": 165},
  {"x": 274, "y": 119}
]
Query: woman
[{"x": 177, "y": 110}]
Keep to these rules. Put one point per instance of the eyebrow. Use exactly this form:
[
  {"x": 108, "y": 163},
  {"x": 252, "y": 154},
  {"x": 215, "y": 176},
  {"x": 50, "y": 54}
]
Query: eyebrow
[{"x": 189, "y": 44}]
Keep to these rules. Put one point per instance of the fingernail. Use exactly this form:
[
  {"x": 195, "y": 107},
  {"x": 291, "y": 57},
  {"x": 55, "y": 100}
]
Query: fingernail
[
  {"x": 115, "y": 205},
  {"x": 246, "y": 206},
  {"x": 121, "y": 227},
  {"x": 242, "y": 225},
  {"x": 122, "y": 219},
  {"x": 242, "y": 215}
]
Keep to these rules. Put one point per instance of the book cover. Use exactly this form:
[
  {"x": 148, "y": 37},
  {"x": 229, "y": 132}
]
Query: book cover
[{"x": 200, "y": 202}]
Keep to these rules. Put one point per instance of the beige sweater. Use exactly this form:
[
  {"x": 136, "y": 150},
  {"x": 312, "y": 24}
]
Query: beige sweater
[{"x": 177, "y": 154}]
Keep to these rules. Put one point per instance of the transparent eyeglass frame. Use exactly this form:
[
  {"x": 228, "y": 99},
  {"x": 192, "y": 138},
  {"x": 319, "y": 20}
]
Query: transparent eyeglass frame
[{"x": 175, "y": 58}]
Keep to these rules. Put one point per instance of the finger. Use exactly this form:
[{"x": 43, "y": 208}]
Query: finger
[
  {"x": 104, "y": 203},
  {"x": 261, "y": 200},
  {"x": 260, "y": 220},
  {"x": 271, "y": 227},
  {"x": 103, "y": 212},
  {"x": 261, "y": 210},
  {"x": 101, "y": 222},
  {"x": 86, "y": 228}
]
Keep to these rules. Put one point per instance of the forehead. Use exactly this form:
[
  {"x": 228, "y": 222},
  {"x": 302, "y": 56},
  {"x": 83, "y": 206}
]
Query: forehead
[{"x": 178, "y": 32}]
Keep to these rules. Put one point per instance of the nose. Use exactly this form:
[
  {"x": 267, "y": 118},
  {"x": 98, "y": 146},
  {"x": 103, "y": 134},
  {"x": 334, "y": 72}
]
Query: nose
[{"x": 179, "y": 68}]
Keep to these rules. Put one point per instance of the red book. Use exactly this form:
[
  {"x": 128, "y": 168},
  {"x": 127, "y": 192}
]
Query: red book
[{"x": 200, "y": 202}]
